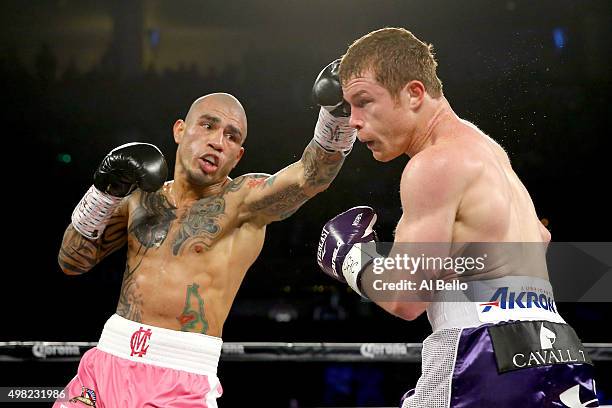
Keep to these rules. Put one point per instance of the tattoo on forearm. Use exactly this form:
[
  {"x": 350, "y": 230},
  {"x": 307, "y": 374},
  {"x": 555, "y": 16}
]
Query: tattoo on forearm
[
  {"x": 201, "y": 223},
  {"x": 193, "y": 318},
  {"x": 79, "y": 254},
  {"x": 320, "y": 166},
  {"x": 152, "y": 219},
  {"x": 130, "y": 299}
]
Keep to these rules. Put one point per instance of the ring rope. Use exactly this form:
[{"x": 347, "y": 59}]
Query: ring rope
[{"x": 261, "y": 351}]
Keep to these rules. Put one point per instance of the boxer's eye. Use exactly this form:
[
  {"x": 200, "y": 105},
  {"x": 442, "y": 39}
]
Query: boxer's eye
[{"x": 360, "y": 103}]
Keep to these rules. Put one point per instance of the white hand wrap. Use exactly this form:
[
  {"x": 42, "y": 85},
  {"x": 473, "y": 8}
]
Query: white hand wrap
[
  {"x": 354, "y": 263},
  {"x": 334, "y": 134},
  {"x": 92, "y": 213}
]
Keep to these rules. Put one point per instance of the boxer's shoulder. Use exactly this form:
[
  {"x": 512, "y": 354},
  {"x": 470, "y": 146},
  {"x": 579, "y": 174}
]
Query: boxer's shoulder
[
  {"x": 440, "y": 165},
  {"x": 247, "y": 182},
  {"x": 141, "y": 202},
  {"x": 242, "y": 190}
]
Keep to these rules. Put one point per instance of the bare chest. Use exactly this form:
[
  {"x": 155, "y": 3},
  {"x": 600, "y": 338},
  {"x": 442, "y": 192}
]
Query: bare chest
[{"x": 156, "y": 224}]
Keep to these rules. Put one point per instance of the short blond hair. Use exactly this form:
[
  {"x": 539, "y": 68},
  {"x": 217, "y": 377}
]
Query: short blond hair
[{"x": 395, "y": 57}]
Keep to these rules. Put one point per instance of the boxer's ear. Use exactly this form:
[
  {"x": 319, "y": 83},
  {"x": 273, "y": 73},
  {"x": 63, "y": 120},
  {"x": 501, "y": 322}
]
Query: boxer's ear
[
  {"x": 178, "y": 130},
  {"x": 415, "y": 93}
]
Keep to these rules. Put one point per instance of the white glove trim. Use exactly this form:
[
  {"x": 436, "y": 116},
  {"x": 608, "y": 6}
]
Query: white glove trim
[
  {"x": 92, "y": 213},
  {"x": 354, "y": 263},
  {"x": 334, "y": 134}
]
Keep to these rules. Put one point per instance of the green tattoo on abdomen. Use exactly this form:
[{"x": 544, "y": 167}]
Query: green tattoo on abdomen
[{"x": 193, "y": 318}]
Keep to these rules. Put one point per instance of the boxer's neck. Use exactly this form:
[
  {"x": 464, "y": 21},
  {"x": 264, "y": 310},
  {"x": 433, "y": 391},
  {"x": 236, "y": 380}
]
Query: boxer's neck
[
  {"x": 181, "y": 193},
  {"x": 434, "y": 112}
]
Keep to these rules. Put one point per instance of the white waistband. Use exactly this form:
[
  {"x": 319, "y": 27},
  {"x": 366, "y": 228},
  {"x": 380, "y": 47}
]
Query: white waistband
[
  {"x": 193, "y": 352},
  {"x": 498, "y": 300}
]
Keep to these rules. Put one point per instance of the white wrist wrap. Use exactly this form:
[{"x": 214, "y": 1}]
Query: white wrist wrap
[
  {"x": 353, "y": 265},
  {"x": 334, "y": 134},
  {"x": 92, "y": 213}
]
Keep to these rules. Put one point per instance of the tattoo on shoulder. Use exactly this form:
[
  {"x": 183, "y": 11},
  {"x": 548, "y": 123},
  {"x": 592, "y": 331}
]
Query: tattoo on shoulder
[
  {"x": 258, "y": 180},
  {"x": 251, "y": 180},
  {"x": 193, "y": 318},
  {"x": 255, "y": 182},
  {"x": 151, "y": 219},
  {"x": 235, "y": 184},
  {"x": 270, "y": 180}
]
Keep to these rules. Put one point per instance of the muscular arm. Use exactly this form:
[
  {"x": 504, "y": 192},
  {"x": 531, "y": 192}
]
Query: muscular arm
[
  {"x": 78, "y": 254},
  {"x": 276, "y": 197},
  {"x": 431, "y": 189}
]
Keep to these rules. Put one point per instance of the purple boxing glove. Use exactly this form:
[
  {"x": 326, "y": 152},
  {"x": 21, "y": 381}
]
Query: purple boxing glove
[{"x": 339, "y": 254}]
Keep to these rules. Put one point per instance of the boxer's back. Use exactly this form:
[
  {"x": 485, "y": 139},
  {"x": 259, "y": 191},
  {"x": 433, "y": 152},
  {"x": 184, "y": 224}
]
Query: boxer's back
[{"x": 496, "y": 208}]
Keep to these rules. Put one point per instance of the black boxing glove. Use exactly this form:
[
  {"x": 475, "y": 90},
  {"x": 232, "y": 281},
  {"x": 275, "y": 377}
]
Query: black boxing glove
[
  {"x": 327, "y": 91},
  {"x": 129, "y": 166},
  {"x": 124, "y": 169},
  {"x": 332, "y": 131}
]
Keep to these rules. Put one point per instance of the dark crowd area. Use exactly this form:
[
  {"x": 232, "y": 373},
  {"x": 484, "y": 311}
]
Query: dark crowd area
[{"x": 535, "y": 77}]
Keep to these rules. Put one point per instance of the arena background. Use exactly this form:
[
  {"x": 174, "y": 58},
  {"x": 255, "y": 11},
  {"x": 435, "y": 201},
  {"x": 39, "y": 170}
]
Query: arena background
[{"x": 81, "y": 77}]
